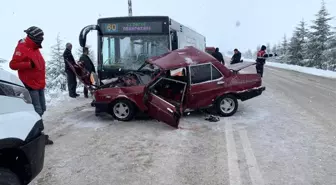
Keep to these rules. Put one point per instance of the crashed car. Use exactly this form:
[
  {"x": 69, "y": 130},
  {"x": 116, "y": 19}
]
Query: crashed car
[{"x": 166, "y": 86}]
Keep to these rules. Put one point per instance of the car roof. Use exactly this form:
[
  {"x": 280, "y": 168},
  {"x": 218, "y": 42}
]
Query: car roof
[
  {"x": 7, "y": 76},
  {"x": 181, "y": 58}
]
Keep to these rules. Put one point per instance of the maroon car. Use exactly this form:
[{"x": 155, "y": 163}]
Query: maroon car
[{"x": 166, "y": 86}]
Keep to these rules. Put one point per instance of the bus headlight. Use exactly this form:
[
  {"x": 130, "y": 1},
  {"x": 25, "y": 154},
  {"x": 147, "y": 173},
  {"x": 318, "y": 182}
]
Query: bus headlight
[{"x": 7, "y": 89}]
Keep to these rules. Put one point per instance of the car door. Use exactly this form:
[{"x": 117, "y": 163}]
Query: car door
[
  {"x": 206, "y": 82},
  {"x": 161, "y": 109}
]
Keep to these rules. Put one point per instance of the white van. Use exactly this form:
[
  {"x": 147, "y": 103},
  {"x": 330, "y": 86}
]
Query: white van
[{"x": 22, "y": 142}]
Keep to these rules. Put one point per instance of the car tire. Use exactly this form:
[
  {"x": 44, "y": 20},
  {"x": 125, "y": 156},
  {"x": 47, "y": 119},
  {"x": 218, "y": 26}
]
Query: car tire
[
  {"x": 227, "y": 105},
  {"x": 128, "y": 110},
  {"x": 7, "y": 177}
]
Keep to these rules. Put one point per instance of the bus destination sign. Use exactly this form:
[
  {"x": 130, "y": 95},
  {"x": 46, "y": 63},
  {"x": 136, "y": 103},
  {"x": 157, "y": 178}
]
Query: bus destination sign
[{"x": 134, "y": 27}]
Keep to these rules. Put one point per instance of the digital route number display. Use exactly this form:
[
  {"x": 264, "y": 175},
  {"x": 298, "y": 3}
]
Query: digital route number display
[{"x": 132, "y": 27}]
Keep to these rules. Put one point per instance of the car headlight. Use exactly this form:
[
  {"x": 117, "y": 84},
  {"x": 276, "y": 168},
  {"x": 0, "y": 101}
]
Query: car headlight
[{"x": 12, "y": 90}]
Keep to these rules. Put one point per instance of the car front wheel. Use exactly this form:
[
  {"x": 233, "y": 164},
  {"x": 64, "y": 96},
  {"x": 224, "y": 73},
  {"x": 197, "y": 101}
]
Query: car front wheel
[
  {"x": 227, "y": 105},
  {"x": 7, "y": 177},
  {"x": 123, "y": 110}
]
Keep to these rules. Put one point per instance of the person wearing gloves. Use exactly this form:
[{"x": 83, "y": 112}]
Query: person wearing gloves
[{"x": 29, "y": 62}]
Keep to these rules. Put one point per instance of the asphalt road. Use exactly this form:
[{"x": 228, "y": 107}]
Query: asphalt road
[{"x": 285, "y": 136}]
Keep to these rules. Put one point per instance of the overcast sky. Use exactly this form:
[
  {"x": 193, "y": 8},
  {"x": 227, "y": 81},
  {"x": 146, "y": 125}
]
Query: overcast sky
[{"x": 261, "y": 21}]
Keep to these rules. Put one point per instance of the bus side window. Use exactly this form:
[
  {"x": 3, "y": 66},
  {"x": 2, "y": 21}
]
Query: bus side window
[{"x": 174, "y": 40}]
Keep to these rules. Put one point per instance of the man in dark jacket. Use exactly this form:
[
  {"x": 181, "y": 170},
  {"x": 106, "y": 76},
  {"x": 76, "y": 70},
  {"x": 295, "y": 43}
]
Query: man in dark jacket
[
  {"x": 261, "y": 60},
  {"x": 218, "y": 55},
  {"x": 30, "y": 64},
  {"x": 236, "y": 57},
  {"x": 88, "y": 65},
  {"x": 71, "y": 76}
]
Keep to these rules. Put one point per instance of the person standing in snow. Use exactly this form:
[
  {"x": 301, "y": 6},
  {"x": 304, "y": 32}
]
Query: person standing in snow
[
  {"x": 261, "y": 60},
  {"x": 71, "y": 76},
  {"x": 218, "y": 55},
  {"x": 236, "y": 57},
  {"x": 88, "y": 65},
  {"x": 29, "y": 62}
]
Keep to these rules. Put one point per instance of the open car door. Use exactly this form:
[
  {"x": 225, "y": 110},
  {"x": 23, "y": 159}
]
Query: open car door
[
  {"x": 90, "y": 81},
  {"x": 164, "y": 100}
]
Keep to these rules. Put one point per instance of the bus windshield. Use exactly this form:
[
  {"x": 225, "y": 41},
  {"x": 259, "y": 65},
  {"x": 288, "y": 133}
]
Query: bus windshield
[{"x": 130, "y": 52}]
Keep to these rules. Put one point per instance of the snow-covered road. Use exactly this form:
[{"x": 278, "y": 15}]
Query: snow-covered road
[{"x": 285, "y": 136}]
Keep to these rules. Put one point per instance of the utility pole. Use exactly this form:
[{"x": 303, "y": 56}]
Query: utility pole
[{"x": 130, "y": 8}]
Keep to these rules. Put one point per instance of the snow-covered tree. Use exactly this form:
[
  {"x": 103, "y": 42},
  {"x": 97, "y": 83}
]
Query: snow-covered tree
[
  {"x": 56, "y": 77},
  {"x": 2, "y": 60},
  {"x": 274, "y": 49},
  {"x": 268, "y": 48},
  {"x": 330, "y": 53},
  {"x": 318, "y": 39},
  {"x": 297, "y": 46},
  {"x": 283, "y": 50},
  {"x": 248, "y": 54}
]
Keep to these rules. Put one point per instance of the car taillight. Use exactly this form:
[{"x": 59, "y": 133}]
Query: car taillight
[{"x": 12, "y": 90}]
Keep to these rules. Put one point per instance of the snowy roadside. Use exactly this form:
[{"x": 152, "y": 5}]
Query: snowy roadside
[
  {"x": 307, "y": 70},
  {"x": 53, "y": 97}
]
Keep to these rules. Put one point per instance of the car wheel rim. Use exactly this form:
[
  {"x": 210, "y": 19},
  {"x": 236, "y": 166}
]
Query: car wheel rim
[
  {"x": 227, "y": 105},
  {"x": 121, "y": 110}
]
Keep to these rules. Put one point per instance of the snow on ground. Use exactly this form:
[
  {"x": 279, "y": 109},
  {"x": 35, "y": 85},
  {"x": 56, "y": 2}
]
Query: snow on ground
[
  {"x": 53, "y": 97},
  {"x": 307, "y": 70}
]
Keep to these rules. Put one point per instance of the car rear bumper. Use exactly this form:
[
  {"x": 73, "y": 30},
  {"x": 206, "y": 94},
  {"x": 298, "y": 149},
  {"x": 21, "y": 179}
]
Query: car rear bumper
[
  {"x": 251, "y": 93},
  {"x": 34, "y": 151}
]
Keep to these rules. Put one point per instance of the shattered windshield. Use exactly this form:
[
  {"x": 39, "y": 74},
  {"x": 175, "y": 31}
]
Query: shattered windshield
[{"x": 130, "y": 52}]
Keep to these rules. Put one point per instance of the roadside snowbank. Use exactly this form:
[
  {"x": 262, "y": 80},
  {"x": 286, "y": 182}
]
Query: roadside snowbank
[
  {"x": 54, "y": 96},
  {"x": 307, "y": 70}
]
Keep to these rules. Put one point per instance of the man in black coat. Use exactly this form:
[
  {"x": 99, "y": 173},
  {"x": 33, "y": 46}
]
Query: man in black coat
[
  {"x": 218, "y": 55},
  {"x": 71, "y": 76},
  {"x": 236, "y": 57},
  {"x": 88, "y": 65}
]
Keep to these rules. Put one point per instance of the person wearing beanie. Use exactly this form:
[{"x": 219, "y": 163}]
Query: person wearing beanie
[
  {"x": 261, "y": 60},
  {"x": 29, "y": 62}
]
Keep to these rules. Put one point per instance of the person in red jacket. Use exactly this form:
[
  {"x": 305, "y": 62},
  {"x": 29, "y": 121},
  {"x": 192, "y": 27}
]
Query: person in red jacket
[
  {"x": 30, "y": 64},
  {"x": 261, "y": 60}
]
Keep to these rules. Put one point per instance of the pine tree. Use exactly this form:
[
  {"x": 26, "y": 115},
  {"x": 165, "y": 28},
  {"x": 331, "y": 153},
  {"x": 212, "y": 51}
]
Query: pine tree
[
  {"x": 274, "y": 49},
  {"x": 2, "y": 60},
  {"x": 283, "y": 50},
  {"x": 318, "y": 39},
  {"x": 331, "y": 53},
  {"x": 297, "y": 45},
  {"x": 56, "y": 78},
  {"x": 268, "y": 48},
  {"x": 248, "y": 54}
]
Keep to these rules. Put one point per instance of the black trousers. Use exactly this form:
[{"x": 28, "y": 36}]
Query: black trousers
[
  {"x": 72, "y": 83},
  {"x": 260, "y": 69}
]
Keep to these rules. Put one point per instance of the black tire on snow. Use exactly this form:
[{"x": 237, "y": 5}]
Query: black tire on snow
[
  {"x": 235, "y": 103},
  {"x": 129, "y": 104},
  {"x": 7, "y": 177}
]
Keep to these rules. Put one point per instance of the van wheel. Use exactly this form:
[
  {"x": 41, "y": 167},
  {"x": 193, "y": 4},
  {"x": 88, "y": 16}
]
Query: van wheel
[
  {"x": 227, "y": 105},
  {"x": 123, "y": 110},
  {"x": 7, "y": 177}
]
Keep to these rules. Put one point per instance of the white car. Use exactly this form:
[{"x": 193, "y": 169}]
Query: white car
[{"x": 22, "y": 142}]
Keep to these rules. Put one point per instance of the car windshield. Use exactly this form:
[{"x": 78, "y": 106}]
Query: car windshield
[{"x": 130, "y": 52}]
